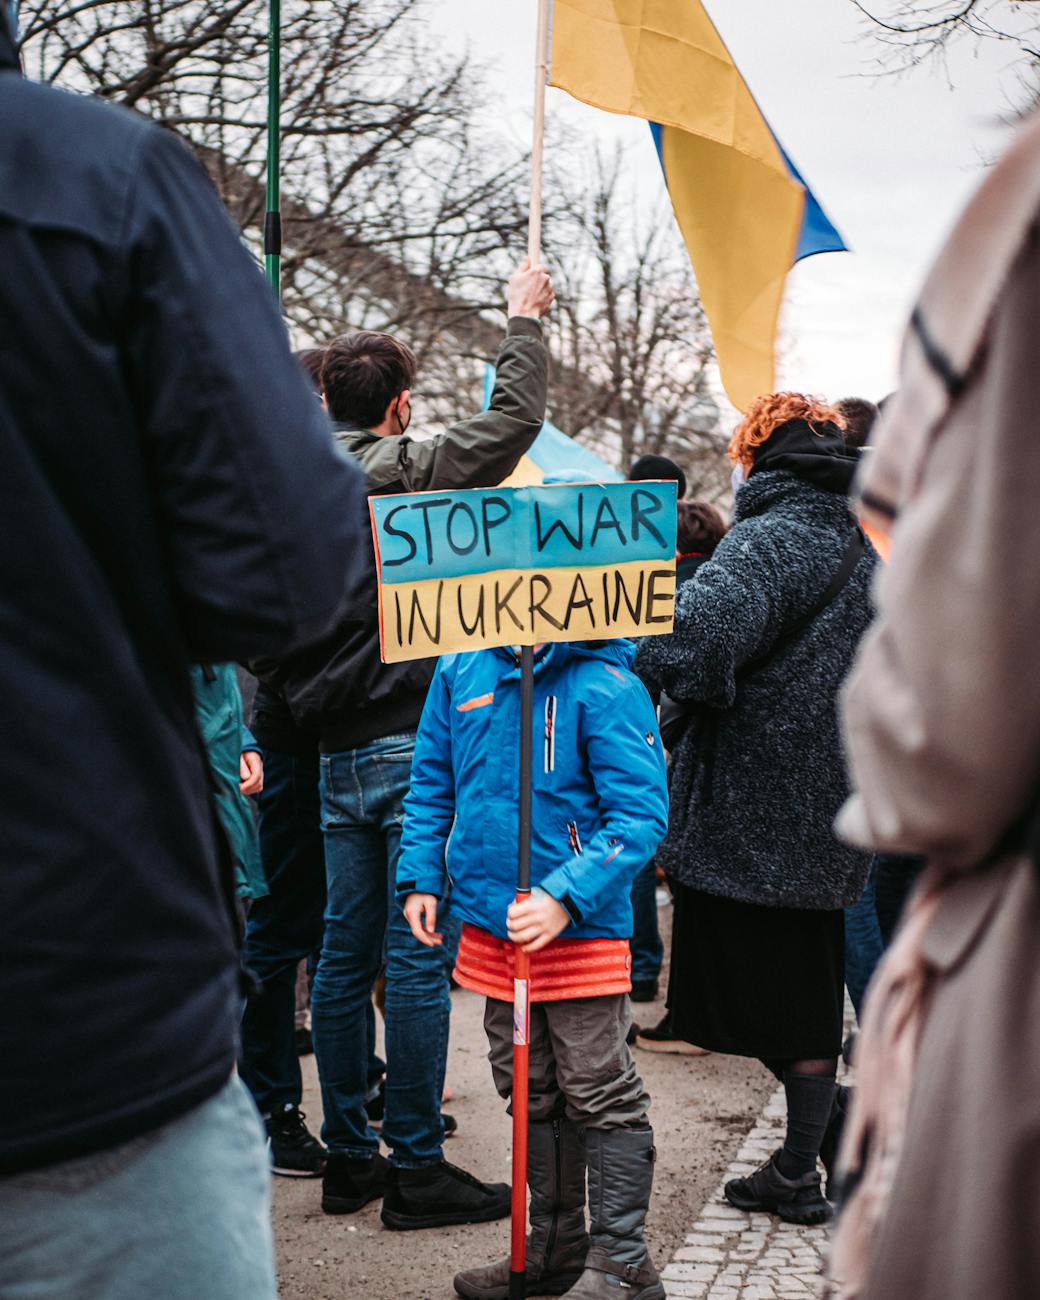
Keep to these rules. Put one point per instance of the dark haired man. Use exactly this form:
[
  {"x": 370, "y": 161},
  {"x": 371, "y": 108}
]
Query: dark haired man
[{"x": 366, "y": 714}]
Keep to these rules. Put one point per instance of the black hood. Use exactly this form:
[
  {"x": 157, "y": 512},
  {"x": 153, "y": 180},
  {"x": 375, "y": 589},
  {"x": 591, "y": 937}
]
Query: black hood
[
  {"x": 8, "y": 54},
  {"x": 815, "y": 453}
]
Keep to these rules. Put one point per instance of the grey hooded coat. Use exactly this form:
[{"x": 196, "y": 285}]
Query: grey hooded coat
[{"x": 759, "y": 775}]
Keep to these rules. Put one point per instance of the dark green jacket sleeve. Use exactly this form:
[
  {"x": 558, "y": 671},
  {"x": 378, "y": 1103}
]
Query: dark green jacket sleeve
[{"x": 484, "y": 449}]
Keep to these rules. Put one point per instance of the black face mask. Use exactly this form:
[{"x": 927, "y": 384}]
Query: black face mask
[{"x": 403, "y": 423}]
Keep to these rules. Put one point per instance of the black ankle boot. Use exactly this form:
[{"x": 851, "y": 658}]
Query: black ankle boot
[
  {"x": 439, "y": 1195},
  {"x": 349, "y": 1184}
]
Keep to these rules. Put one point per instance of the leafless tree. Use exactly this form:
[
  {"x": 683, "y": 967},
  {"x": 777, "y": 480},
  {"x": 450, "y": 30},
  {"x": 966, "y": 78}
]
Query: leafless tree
[
  {"x": 629, "y": 321},
  {"x": 911, "y": 32},
  {"x": 401, "y": 209}
]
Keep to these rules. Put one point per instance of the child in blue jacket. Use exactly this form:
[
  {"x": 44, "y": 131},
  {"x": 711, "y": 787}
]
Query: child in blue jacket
[{"x": 600, "y": 807}]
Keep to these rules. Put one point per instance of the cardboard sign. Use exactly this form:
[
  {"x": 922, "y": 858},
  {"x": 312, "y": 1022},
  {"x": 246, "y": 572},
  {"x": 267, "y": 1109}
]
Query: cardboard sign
[{"x": 470, "y": 569}]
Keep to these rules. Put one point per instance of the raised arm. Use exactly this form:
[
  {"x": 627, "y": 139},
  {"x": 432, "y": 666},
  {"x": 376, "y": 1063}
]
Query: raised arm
[{"x": 485, "y": 448}]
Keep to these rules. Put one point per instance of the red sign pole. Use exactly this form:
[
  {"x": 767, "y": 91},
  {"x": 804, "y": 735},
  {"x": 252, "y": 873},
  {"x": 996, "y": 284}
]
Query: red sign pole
[{"x": 522, "y": 989}]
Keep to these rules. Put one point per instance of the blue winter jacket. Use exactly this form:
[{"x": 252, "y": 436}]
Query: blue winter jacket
[{"x": 600, "y": 803}]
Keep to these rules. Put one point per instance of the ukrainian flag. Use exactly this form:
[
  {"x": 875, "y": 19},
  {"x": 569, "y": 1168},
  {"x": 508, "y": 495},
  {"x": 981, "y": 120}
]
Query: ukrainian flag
[{"x": 744, "y": 210}]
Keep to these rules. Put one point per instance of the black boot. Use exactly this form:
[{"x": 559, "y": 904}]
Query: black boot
[
  {"x": 621, "y": 1176},
  {"x": 439, "y": 1195},
  {"x": 557, "y": 1242},
  {"x": 795, "y": 1200},
  {"x": 349, "y": 1184}
]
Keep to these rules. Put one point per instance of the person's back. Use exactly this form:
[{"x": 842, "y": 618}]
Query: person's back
[
  {"x": 599, "y": 807},
  {"x": 152, "y": 511}
]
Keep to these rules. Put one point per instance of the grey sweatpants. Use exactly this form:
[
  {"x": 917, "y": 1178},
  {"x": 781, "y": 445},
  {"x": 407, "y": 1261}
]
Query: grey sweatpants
[{"x": 580, "y": 1062}]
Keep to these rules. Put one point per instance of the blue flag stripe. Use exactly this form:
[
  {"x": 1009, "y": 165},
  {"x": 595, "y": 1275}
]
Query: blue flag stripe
[{"x": 818, "y": 234}]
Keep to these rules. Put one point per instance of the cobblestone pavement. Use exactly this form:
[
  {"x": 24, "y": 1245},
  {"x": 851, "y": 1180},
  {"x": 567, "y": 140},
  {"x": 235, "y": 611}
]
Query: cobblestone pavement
[{"x": 731, "y": 1255}]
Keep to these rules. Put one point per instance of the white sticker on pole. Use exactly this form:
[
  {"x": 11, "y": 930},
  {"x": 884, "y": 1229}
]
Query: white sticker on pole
[{"x": 521, "y": 1018}]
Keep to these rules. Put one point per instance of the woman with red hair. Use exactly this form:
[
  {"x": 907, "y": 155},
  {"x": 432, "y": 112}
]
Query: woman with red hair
[{"x": 764, "y": 634}]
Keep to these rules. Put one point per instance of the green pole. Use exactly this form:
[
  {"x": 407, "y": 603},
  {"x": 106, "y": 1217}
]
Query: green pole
[{"x": 272, "y": 215}]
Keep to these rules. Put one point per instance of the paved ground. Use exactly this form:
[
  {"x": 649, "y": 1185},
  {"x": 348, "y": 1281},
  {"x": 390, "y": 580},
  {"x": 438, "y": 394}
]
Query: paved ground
[
  {"x": 730, "y": 1254},
  {"x": 703, "y": 1110}
]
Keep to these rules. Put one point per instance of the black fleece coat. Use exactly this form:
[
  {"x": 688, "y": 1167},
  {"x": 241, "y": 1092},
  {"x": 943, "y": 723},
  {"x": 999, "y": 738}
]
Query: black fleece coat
[{"x": 759, "y": 776}]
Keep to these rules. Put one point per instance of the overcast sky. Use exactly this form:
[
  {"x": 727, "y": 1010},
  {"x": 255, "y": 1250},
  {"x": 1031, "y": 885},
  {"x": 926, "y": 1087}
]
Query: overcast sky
[{"x": 892, "y": 160}]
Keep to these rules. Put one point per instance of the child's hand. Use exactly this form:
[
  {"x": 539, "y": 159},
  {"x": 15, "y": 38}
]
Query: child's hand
[
  {"x": 420, "y": 911},
  {"x": 251, "y": 771},
  {"x": 536, "y": 921}
]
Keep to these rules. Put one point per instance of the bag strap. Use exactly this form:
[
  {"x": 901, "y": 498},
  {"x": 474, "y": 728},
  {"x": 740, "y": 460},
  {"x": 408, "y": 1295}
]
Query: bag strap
[{"x": 854, "y": 552}]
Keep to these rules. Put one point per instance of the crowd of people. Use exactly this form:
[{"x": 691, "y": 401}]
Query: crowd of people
[{"x": 839, "y": 722}]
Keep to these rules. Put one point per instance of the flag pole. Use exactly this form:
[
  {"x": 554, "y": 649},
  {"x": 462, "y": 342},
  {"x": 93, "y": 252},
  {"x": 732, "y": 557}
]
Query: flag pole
[
  {"x": 272, "y": 213},
  {"x": 541, "y": 77},
  {"x": 522, "y": 973}
]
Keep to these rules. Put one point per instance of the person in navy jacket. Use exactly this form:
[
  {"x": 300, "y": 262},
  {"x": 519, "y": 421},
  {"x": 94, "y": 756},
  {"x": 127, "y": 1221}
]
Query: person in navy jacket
[{"x": 169, "y": 494}]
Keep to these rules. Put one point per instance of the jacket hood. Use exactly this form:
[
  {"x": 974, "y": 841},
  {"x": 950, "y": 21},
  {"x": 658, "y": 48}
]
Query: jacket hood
[
  {"x": 618, "y": 651},
  {"x": 813, "y": 452},
  {"x": 8, "y": 53}
]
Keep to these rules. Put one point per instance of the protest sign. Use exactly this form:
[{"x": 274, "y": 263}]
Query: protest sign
[{"x": 483, "y": 567}]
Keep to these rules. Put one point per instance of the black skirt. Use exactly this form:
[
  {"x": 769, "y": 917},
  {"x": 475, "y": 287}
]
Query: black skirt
[{"x": 767, "y": 982}]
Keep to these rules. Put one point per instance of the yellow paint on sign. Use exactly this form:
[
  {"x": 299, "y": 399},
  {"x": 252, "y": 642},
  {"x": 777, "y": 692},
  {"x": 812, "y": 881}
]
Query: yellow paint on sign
[{"x": 524, "y": 607}]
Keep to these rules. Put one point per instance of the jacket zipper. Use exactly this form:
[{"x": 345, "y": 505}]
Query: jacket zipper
[
  {"x": 575, "y": 839},
  {"x": 550, "y": 733},
  {"x": 550, "y": 1240}
]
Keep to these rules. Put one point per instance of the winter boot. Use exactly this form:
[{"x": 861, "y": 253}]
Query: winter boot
[
  {"x": 557, "y": 1242},
  {"x": 621, "y": 1175},
  {"x": 795, "y": 1200}
]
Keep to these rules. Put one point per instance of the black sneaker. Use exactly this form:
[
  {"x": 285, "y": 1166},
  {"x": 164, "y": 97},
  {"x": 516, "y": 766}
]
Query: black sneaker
[
  {"x": 795, "y": 1200},
  {"x": 643, "y": 990},
  {"x": 304, "y": 1042},
  {"x": 295, "y": 1151},
  {"x": 439, "y": 1195},
  {"x": 663, "y": 1038},
  {"x": 349, "y": 1184}
]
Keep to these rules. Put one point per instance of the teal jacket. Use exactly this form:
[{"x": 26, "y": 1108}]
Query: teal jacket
[
  {"x": 218, "y": 708},
  {"x": 599, "y": 803}
]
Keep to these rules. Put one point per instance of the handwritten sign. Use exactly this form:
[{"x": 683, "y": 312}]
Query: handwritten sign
[{"x": 516, "y": 566}]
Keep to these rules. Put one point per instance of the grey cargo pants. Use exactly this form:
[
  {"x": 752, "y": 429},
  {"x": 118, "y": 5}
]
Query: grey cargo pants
[{"x": 580, "y": 1062}]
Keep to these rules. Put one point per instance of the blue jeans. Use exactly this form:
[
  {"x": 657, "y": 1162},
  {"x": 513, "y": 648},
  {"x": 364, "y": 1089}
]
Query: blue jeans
[
  {"x": 647, "y": 948},
  {"x": 284, "y": 928},
  {"x": 180, "y": 1213},
  {"x": 863, "y": 944},
  {"x": 362, "y": 796}
]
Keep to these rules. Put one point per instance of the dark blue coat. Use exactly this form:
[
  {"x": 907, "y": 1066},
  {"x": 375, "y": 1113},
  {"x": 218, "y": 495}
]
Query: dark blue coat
[
  {"x": 168, "y": 492},
  {"x": 599, "y": 800}
]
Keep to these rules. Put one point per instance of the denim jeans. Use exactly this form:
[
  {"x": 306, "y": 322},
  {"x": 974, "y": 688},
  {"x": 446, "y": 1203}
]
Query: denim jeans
[
  {"x": 647, "y": 948},
  {"x": 362, "y": 796},
  {"x": 284, "y": 927},
  {"x": 863, "y": 944},
  {"x": 181, "y": 1213}
]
